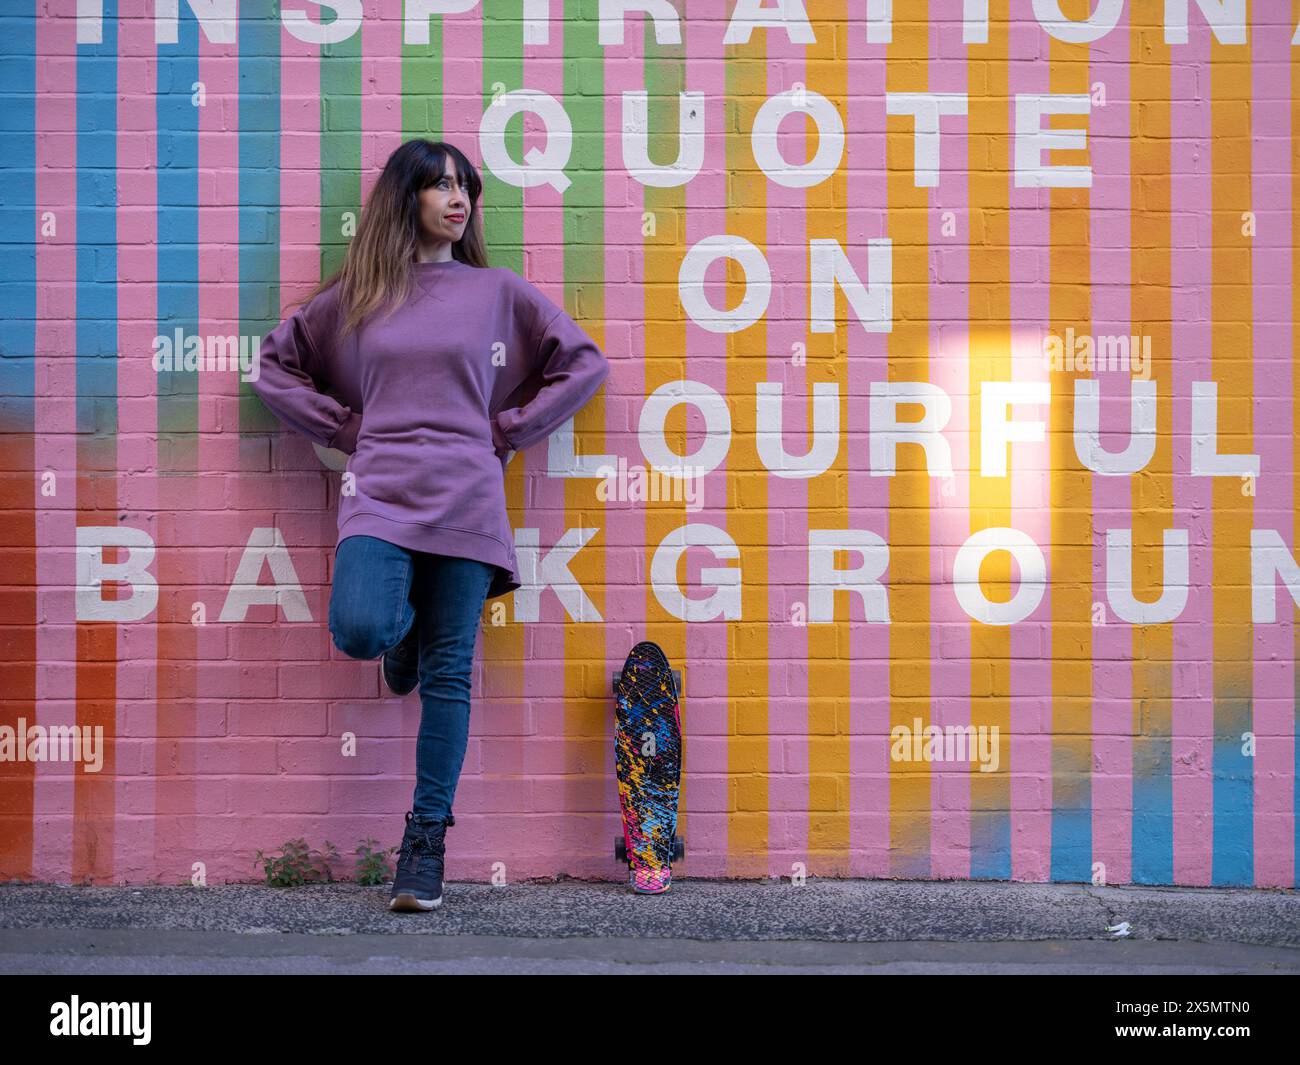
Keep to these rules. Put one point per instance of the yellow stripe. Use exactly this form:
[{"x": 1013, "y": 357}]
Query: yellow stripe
[
  {"x": 1070, "y": 563},
  {"x": 990, "y": 360},
  {"x": 907, "y": 70},
  {"x": 1232, "y": 348}
]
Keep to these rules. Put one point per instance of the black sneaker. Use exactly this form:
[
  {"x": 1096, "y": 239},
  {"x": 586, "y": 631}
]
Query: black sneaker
[
  {"x": 418, "y": 884},
  {"x": 399, "y": 667}
]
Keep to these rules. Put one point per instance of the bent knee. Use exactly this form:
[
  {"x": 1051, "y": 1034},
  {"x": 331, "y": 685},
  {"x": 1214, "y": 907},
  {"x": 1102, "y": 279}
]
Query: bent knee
[
  {"x": 355, "y": 644},
  {"x": 360, "y": 640}
]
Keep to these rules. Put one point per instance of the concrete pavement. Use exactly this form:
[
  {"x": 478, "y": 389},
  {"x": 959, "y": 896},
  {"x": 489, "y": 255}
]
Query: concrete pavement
[{"x": 881, "y": 926}]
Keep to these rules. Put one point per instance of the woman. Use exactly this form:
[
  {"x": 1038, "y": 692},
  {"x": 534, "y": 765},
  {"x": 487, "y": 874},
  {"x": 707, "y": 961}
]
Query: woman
[{"x": 443, "y": 367}]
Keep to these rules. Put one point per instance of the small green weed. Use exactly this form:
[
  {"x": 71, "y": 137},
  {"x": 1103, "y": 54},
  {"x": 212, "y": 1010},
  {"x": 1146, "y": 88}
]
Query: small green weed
[
  {"x": 372, "y": 865},
  {"x": 297, "y": 863}
]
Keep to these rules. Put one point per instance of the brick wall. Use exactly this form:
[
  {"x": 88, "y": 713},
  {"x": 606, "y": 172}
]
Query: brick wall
[{"x": 980, "y": 335}]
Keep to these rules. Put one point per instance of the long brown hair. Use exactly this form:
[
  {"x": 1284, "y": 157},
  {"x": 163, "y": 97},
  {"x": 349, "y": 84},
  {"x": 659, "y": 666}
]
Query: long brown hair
[{"x": 377, "y": 267}]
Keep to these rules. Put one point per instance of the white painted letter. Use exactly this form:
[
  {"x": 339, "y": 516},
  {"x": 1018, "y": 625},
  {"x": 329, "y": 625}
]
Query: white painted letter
[
  {"x": 926, "y": 107},
  {"x": 887, "y": 432},
  {"x": 996, "y": 432},
  {"x": 1032, "y": 139},
  {"x": 966, "y": 576},
  {"x": 1087, "y": 428},
  {"x": 1119, "y": 578}
]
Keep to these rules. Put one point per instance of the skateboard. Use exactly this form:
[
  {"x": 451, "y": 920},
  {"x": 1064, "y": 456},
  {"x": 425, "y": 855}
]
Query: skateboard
[{"x": 648, "y": 761}]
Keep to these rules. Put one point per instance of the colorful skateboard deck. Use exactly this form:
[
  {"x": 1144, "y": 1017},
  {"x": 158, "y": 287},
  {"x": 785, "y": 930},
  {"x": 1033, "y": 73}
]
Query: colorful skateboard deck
[{"x": 648, "y": 761}]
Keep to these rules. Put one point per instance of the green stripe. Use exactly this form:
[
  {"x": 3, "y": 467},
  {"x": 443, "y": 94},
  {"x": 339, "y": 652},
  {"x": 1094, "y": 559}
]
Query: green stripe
[
  {"x": 422, "y": 87},
  {"x": 259, "y": 194},
  {"x": 584, "y": 101},
  {"x": 665, "y": 80},
  {"x": 340, "y": 148},
  {"x": 503, "y": 71}
]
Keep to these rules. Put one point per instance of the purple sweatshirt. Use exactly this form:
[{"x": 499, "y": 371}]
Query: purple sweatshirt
[{"x": 475, "y": 364}]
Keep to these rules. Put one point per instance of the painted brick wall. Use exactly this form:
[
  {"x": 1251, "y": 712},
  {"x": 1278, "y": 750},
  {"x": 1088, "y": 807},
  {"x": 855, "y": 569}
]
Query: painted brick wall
[{"x": 979, "y": 334}]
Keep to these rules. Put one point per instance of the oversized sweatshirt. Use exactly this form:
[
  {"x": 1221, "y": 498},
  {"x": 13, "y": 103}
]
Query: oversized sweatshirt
[{"x": 429, "y": 401}]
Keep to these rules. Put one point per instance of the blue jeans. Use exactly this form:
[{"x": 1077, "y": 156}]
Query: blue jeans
[{"x": 380, "y": 590}]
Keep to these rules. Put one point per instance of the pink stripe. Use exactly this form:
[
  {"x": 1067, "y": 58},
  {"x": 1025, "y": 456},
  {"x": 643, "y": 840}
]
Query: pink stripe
[
  {"x": 176, "y": 673},
  {"x": 169, "y": 759},
  {"x": 708, "y": 743},
  {"x": 950, "y": 628},
  {"x": 1190, "y": 279},
  {"x": 54, "y": 418},
  {"x": 790, "y": 711},
  {"x": 218, "y": 227},
  {"x": 381, "y": 90},
  {"x": 136, "y": 851},
  {"x": 1111, "y": 250},
  {"x": 505, "y": 722},
  {"x": 1271, "y": 270},
  {"x": 626, "y": 310},
  {"x": 867, "y": 218},
  {"x": 1031, "y": 489},
  {"x": 381, "y": 134},
  {"x": 545, "y": 261}
]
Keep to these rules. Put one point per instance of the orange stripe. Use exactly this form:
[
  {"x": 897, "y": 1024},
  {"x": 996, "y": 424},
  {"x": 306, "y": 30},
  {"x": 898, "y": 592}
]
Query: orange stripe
[{"x": 18, "y": 651}]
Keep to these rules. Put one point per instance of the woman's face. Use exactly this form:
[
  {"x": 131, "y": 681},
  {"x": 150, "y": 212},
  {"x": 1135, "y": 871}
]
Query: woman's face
[{"x": 444, "y": 208}]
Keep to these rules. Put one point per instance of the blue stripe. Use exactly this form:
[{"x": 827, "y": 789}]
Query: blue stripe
[
  {"x": 259, "y": 180},
  {"x": 1233, "y": 863},
  {"x": 19, "y": 222},
  {"x": 990, "y": 843},
  {"x": 96, "y": 269},
  {"x": 1153, "y": 810},
  {"x": 1071, "y": 809},
  {"x": 178, "y": 214}
]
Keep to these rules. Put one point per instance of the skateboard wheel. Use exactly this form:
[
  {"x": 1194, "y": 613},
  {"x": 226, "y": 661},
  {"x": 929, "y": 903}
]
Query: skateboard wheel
[
  {"x": 679, "y": 848},
  {"x": 620, "y": 849}
]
